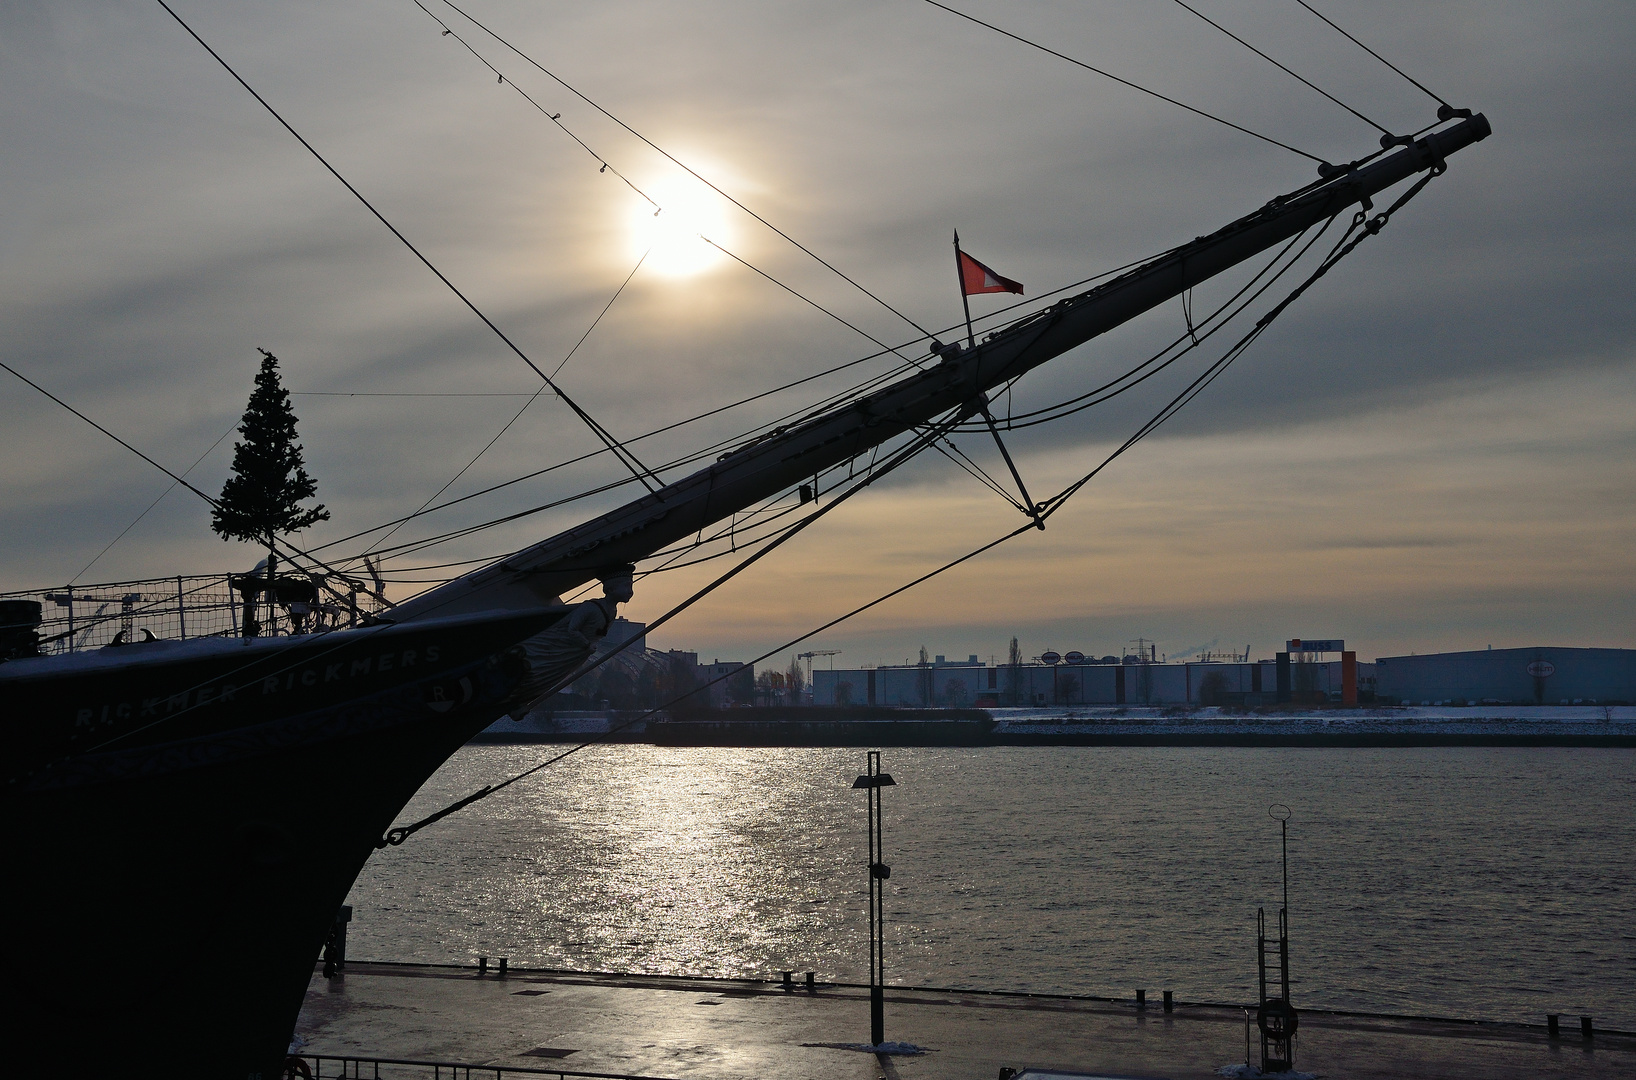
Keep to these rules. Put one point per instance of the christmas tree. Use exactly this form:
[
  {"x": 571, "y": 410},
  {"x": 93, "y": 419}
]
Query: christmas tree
[{"x": 262, "y": 499}]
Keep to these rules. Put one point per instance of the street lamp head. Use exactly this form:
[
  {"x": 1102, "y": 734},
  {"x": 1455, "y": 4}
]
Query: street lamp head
[{"x": 878, "y": 780}]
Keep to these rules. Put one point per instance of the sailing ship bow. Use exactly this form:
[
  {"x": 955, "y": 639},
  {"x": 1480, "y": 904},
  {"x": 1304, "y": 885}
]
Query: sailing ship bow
[{"x": 959, "y": 383}]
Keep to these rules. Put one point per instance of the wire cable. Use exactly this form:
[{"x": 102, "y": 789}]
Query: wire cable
[
  {"x": 519, "y": 415},
  {"x": 151, "y": 505},
  {"x": 686, "y": 168},
  {"x": 110, "y": 434},
  {"x": 1281, "y": 67},
  {"x": 1124, "y": 82},
  {"x": 556, "y": 118},
  {"x": 598, "y": 320},
  {"x": 1130, "y": 379},
  {"x": 613, "y": 444},
  {"x": 1372, "y": 226},
  {"x": 1343, "y": 247},
  {"x": 746, "y": 401},
  {"x": 1373, "y": 53},
  {"x": 395, "y": 836},
  {"x": 368, "y": 393}
]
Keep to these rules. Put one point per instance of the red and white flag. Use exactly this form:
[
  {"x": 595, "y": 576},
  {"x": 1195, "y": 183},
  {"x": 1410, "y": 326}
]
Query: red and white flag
[{"x": 976, "y": 278}]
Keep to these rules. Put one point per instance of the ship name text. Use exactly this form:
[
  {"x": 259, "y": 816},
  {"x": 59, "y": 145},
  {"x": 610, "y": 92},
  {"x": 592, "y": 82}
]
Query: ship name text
[{"x": 153, "y": 708}]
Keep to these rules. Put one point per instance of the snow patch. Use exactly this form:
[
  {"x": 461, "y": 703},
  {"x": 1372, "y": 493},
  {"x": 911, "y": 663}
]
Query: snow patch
[{"x": 901, "y": 1049}]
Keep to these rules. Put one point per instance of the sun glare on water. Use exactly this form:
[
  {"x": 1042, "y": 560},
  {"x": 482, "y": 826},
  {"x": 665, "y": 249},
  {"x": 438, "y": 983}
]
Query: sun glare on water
[{"x": 673, "y": 237}]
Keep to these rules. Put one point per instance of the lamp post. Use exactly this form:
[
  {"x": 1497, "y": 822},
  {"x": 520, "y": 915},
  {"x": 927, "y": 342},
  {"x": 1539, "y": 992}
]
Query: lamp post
[{"x": 873, "y": 781}]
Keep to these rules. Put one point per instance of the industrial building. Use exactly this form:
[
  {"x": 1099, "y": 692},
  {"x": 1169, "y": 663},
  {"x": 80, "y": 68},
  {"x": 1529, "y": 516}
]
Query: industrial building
[
  {"x": 1133, "y": 681},
  {"x": 1545, "y": 675},
  {"x": 1539, "y": 676}
]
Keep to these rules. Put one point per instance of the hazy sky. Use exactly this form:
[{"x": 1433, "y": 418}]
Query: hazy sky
[{"x": 1433, "y": 450}]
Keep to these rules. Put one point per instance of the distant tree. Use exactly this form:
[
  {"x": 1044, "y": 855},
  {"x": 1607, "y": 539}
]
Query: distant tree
[
  {"x": 797, "y": 680},
  {"x": 262, "y": 499},
  {"x": 1014, "y": 681}
]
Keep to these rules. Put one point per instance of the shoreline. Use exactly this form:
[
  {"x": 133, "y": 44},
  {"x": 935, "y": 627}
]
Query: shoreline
[{"x": 1477, "y": 726}]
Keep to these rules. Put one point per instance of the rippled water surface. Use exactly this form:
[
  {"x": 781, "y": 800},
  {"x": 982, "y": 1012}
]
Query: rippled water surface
[{"x": 1492, "y": 883}]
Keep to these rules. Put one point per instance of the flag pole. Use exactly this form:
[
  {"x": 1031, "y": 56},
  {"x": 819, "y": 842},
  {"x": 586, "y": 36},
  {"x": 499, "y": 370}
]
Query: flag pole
[{"x": 965, "y": 301}]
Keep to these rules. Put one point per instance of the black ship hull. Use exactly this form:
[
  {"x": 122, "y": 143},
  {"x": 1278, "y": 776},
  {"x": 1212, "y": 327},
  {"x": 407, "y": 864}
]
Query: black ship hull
[{"x": 175, "y": 892}]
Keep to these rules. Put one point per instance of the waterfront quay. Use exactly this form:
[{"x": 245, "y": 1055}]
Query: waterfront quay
[{"x": 727, "y": 1029}]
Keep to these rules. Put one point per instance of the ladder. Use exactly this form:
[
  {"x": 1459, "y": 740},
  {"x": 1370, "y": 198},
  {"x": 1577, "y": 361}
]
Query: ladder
[{"x": 1276, "y": 1017}]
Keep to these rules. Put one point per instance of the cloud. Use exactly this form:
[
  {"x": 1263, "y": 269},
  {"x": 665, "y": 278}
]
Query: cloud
[{"x": 1440, "y": 415}]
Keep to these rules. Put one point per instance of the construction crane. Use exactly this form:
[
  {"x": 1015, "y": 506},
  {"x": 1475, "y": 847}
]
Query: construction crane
[{"x": 807, "y": 656}]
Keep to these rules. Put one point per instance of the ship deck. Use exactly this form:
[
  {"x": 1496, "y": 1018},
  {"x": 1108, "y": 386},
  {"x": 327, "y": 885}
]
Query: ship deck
[{"x": 717, "y": 1029}]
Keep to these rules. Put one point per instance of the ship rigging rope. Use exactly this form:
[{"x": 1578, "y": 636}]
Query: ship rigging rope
[
  {"x": 519, "y": 414},
  {"x": 111, "y": 435},
  {"x": 1156, "y": 363},
  {"x": 1125, "y": 82},
  {"x": 179, "y": 480},
  {"x": 1124, "y": 382},
  {"x": 138, "y": 519},
  {"x": 1344, "y": 247},
  {"x": 833, "y": 401},
  {"x": 556, "y": 118},
  {"x": 397, "y": 835},
  {"x": 835, "y": 398},
  {"x": 924, "y": 333},
  {"x": 1287, "y": 71},
  {"x": 960, "y": 459},
  {"x": 826, "y": 403},
  {"x": 705, "y": 452},
  {"x": 626, "y": 458},
  {"x": 893, "y": 461},
  {"x": 1373, "y": 53}
]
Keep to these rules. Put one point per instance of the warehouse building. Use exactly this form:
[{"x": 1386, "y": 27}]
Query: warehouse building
[
  {"x": 1539, "y": 676},
  {"x": 1543, "y": 676},
  {"x": 1133, "y": 681}
]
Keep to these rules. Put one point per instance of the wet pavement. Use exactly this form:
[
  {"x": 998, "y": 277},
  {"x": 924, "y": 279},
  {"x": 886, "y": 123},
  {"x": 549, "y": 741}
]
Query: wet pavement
[{"x": 717, "y": 1029}]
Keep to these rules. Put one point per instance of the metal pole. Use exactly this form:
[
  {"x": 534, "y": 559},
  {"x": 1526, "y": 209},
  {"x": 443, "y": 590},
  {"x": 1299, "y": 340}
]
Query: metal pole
[
  {"x": 877, "y": 906},
  {"x": 960, "y": 276},
  {"x": 874, "y": 780},
  {"x": 181, "y": 610}
]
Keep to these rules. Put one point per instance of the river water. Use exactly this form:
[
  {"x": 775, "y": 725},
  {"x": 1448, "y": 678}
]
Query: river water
[{"x": 1486, "y": 883}]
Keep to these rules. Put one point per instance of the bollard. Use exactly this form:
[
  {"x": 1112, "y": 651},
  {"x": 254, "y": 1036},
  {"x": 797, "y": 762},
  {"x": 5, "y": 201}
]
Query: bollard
[
  {"x": 482, "y": 966},
  {"x": 1552, "y": 1030},
  {"x": 1585, "y": 1027},
  {"x": 787, "y": 984},
  {"x": 1170, "y": 1002},
  {"x": 811, "y": 989},
  {"x": 502, "y": 967},
  {"x": 1141, "y": 999}
]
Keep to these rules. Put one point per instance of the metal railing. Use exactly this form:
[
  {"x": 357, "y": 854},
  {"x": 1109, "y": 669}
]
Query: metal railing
[
  {"x": 368, "y": 1068},
  {"x": 179, "y": 608}
]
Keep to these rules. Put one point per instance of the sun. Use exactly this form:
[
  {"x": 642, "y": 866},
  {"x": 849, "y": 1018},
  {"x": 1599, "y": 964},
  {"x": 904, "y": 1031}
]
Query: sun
[{"x": 672, "y": 237}]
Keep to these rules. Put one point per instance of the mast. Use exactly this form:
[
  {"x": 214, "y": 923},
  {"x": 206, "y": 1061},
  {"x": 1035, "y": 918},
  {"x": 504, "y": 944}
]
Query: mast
[{"x": 537, "y": 575}]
